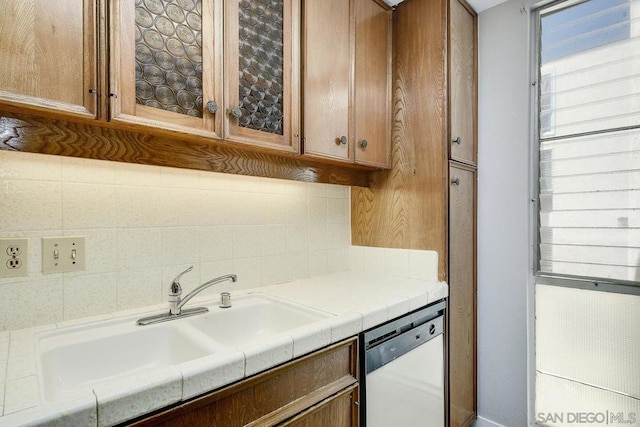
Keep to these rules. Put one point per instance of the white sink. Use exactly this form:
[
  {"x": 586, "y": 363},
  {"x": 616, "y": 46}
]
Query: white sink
[
  {"x": 253, "y": 318},
  {"x": 78, "y": 358},
  {"x": 81, "y": 357}
]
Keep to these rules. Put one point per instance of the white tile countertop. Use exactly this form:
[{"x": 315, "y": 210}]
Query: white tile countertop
[{"x": 359, "y": 300}]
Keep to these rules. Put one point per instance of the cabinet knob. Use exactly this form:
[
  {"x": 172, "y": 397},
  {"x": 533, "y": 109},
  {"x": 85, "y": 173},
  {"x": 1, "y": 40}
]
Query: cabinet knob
[
  {"x": 212, "y": 107},
  {"x": 455, "y": 181},
  {"x": 235, "y": 112},
  {"x": 457, "y": 141},
  {"x": 364, "y": 143},
  {"x": 342, "y": 140}
]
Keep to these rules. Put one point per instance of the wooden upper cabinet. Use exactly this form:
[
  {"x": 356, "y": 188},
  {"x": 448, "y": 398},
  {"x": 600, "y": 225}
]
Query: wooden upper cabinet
[
  {"x": 48, "y": 56},
  {"x": 372, "y": 81},
  {"x": 166, "y": 65},
  {"x": 218, "y": 69},
  {"x": 462, "y": 80},
  {"x": 347, "y": 81},
  {"x": 263, "y": 73},
  {"x": 327, "y": 77}
]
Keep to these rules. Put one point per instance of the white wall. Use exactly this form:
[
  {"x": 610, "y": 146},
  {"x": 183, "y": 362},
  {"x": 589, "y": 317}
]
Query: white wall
[
  {"x": 503, "y": 214},
  {"x": 145, "y": 224}
]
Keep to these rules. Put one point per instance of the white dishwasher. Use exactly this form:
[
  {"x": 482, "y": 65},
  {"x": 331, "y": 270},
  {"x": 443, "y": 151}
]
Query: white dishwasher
[{"x": 403, "y": 371}]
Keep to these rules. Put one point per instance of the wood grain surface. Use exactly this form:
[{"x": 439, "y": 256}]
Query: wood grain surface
[
  {"x": 273, "y": 396},
  {"x": 326, "y": 79},
  {"x": 462, "y": 296},
  {"x": 406, "y": 207},
  {"x": 22, "y": 132},
  {"x": 48, "y": 55},
  {"x": 372, "y": 83},
  {"x": 463, "y": 82},
  {"x": 337, "y": 411}
]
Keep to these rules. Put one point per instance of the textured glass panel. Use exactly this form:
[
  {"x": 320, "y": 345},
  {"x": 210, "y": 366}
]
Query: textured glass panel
[
  {"x": 261, "y": 64},
  {"x": 169, "y": 55},
  {"x": 587, "y": 356}
]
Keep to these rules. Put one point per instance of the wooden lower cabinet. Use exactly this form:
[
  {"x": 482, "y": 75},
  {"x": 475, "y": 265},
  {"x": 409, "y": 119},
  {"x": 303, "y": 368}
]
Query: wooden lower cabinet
[
  {"x": 320, "y": 389},
  {"x": 462, "y": 295},
  {"x": 340, "y": 410}
]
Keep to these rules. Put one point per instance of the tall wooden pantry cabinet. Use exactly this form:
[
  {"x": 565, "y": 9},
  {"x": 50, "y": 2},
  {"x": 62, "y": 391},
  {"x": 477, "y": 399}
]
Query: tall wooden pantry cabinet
[{"x": 428, "y": 198}]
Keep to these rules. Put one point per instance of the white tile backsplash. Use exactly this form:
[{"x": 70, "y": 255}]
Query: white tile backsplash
[
  {"x": 28, "y": 166},
  {"x": 30, "y": 205},
  {"x": 85, "y": 205},
  {"x": 139, "y": 248},
  {"x": 216, "y": 243},
  {"x": 86, "y": 170},
  {"x": 406, "y": 263},
  {"x": 89, "y": 295},
  {"x": 180, "y": 245},
  {"x": 145, "y": 224},
  {"x": 247, "y": 241},
  {"x": 138, "y": 288},
  {"x": 30, "y": 303},
  {"x": 318, "y": 263}
]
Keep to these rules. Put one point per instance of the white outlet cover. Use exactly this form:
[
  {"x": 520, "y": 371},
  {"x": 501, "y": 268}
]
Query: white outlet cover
[
  {"x": 14, "y": 257},
  {"x": 63, "y": 254}
]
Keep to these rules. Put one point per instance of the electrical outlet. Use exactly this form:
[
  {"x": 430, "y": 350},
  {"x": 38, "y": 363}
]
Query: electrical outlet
[
  {"x": 63, "y": 254},
  {"x": 14, "y": 257}
]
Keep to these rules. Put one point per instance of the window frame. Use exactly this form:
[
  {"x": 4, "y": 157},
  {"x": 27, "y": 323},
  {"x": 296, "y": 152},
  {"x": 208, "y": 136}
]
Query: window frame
[{"x": 539, "y": 276}]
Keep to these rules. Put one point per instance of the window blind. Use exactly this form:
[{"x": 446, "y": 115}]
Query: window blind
[{"x": 589, "y": 140}]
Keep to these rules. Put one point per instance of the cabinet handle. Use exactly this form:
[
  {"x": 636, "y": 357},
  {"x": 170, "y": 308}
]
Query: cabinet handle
[
  {"x": 342, "y": 140},
  {"x": 235, "y": 112},
  {"x": 457, "y": 141},
  {"x": 212, "y": 107},
  {"x": 455, "y": 181},
  {"x": 364, "y": 144}
]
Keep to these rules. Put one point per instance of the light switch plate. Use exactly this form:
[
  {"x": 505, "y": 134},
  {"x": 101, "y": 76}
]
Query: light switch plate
[
  {"x": 63, "y": 254},
  {"x": 14, "y": 257}
]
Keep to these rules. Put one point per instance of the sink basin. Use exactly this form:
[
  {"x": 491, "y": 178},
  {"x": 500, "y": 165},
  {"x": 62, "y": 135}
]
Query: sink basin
[
  {"x": 253, "y": 318},
  {"x": 79, "y": 358}
]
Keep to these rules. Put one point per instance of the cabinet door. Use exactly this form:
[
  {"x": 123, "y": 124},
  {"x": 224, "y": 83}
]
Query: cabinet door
[
  {"x": 341, "y": 410},
  {"x": 48, "y": 55},
  {"x": 372, "y": 80},
  {"x": 166, "y": 69},
  {"x": 462, "y": 29},
  {"x": 262, "y": 73},
  {"x": 277, "y": 395},
  {"x": 327, "y": 77},
  {"x": 462, "y": 296}
]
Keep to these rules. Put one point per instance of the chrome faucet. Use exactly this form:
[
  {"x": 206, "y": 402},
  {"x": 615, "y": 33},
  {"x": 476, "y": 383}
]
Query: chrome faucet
[{"x": 176, "y": 303}]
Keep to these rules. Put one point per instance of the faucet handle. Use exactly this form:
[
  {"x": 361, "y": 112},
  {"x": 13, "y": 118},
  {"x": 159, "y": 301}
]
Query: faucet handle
[{"x": 175, "y": 289}]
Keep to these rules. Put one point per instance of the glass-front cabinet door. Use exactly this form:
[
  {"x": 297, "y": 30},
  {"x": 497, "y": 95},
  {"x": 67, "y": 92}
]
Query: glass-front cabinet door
[
  {"x": 166, "y": 64},
  {"x": 261, "y": 73}
]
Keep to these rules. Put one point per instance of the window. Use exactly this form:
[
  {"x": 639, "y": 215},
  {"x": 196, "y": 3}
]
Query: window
[
  {"x": 589, "y": 140},
  {"x": 585, "y": 26},
  {"x": 587, "y": 351}
]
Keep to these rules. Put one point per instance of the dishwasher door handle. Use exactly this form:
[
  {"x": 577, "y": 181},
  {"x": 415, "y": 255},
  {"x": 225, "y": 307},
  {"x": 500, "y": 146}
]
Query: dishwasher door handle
[{"x": 390, "y": 350}]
